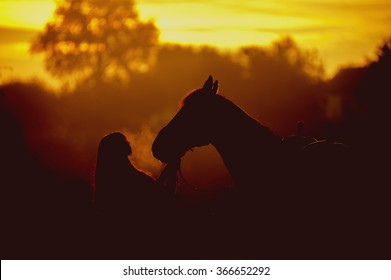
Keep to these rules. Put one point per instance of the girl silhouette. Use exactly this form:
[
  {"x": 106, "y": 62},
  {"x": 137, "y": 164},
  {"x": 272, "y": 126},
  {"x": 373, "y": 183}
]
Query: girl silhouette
[{"x": 120, "y": 188}]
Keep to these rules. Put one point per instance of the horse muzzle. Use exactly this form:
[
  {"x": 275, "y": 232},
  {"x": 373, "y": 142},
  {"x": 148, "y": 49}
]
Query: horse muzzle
[{"x": 166, "y": 152}]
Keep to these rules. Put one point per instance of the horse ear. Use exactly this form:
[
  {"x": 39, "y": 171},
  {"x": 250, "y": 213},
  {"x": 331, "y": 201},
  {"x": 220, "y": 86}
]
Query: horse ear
[
  {"x": 215, "y": 87},
  {"x": 209, "y": 83}
]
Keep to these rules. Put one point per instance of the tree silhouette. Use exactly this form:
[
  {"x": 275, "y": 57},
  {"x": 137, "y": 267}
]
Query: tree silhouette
[
  {"x": 373, "y": 90},
  {"x": 283, "y": 82},
  {"x": 96, "y": 41},
  {"x": 285, "y": 55}
]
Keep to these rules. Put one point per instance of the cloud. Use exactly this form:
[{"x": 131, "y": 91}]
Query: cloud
[
  {"x": 171, "y": 1},
  {"x": 346, "y": 5},
  {"x": 298, "y": 29},
  {"x": 276, "y": 30},
  {"x": 303, "y": 8},
  {"x": 11, "y": 35}
]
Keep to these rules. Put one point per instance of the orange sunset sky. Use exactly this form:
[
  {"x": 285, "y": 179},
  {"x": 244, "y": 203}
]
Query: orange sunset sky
[{"x": 345, "y": 32}]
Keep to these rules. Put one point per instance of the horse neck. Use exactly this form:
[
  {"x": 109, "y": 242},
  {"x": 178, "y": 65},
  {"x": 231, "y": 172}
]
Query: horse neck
[{"x": 246, "y": 146}]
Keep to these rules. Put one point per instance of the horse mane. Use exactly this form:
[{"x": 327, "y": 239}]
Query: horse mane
[
  {"x": 194, "y": 93},
  {"x": 229, "y": 106},
  {"x": 188, "y": 97}
]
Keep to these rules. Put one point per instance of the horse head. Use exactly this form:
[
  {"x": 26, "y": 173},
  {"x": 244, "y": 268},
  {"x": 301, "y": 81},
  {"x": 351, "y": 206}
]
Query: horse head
[{"x": 191, "y": 126}]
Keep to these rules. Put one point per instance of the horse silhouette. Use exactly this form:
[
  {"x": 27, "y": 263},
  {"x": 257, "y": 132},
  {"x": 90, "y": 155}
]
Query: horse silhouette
[
  {"x": 205, "y": 118},
  {"x": 271, "y": 184}
]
